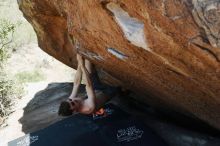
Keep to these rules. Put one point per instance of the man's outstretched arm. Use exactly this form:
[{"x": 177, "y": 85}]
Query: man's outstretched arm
[
  {"x": 77, "y": 79},
  {"x": 89, "y": 103}
]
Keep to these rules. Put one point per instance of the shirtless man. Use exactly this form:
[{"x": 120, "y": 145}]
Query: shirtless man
[{"x": 97, "y": 94}]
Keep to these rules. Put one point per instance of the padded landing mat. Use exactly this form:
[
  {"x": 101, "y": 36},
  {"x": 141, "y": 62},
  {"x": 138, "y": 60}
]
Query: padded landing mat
[{"x": 115, "y": 128}]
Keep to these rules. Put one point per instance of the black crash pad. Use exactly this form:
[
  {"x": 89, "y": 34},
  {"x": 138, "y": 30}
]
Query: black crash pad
[{"x": 115, "y": 128}]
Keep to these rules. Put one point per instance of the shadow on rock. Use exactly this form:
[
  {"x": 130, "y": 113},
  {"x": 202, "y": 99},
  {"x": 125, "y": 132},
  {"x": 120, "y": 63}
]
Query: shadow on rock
[{"x": 42, "y": 110}]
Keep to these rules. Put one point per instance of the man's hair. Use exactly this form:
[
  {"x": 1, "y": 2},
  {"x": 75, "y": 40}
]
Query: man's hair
[{"x": 65, "y": 109}]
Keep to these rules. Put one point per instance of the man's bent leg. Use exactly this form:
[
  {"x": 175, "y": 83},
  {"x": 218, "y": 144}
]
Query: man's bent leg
[{"x": 88, "y": 66}]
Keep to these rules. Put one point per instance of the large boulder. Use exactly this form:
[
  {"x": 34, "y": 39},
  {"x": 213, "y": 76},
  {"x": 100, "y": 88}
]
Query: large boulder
[{"x": 166, "y": 51}]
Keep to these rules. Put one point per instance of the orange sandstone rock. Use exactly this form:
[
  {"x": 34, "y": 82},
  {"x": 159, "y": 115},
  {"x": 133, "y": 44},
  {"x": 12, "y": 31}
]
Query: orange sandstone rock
[{"x": 167, "y": 51}]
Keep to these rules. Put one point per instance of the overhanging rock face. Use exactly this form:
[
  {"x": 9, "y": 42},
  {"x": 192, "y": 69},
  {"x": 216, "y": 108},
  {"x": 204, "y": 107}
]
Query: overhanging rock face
[{"x": 167, "y": 51}]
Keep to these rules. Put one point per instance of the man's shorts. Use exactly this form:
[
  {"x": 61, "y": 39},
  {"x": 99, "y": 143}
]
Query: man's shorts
[{"x": 106, "y": 89}]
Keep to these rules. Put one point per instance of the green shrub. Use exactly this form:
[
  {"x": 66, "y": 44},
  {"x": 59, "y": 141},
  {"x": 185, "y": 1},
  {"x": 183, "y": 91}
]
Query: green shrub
[
  {"x": 6, "y": 95},
  {"x": 8, "y": 88},
  {"x": 6, "y": 40}
]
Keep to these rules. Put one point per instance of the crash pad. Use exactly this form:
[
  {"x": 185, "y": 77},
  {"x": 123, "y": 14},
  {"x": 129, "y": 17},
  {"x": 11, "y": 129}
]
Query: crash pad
[{"x": 113, "y": 128}]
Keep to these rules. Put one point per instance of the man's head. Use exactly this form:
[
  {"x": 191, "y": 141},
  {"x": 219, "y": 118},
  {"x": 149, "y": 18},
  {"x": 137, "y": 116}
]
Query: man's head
[{"x": 67, "y": 108}]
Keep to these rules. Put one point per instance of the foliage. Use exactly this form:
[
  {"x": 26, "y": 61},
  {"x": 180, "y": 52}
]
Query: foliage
[
  {"x": 7, "y": 94},
  {"x": 7, "y": 85},
  {"x": 6, "y": 38}
]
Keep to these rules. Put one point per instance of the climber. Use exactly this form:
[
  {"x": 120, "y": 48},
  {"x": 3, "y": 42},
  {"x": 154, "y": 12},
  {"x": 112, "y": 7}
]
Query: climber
[{"x": 97, "y": 93}]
